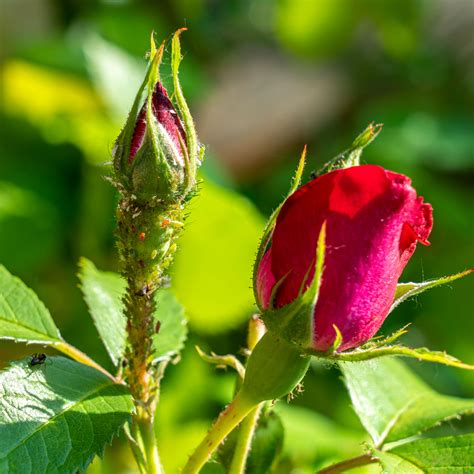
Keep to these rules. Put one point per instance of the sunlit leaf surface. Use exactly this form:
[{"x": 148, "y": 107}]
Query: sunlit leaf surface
[
  {"x": 57, "y": 416},
  {"x": 393, "y": 403},
  {"x": 103, "y": 292},
  {"x": 23, "y": 317}
]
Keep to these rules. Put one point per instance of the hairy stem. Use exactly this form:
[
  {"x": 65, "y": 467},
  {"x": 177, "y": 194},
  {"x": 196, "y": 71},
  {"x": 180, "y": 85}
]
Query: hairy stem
[
  {"x": 146, "y": 235},
  {"x": 343, "y": 466},
  {"x": 146, "y": 242},
  {"x": 227, "y": 421},
  {"x": 244, "y": 441}
]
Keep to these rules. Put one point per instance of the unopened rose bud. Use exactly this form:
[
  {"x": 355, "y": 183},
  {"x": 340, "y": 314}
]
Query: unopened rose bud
[
  {"x": 156, "y": 155},
  {"x": 373, "y": 221}
]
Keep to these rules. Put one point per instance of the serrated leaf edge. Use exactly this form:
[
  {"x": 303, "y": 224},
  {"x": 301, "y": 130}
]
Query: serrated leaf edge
[
  {"x": 67, "y": 408},
  {"x": 38, "y": 300},
  {"x": 82, "y": 262}
]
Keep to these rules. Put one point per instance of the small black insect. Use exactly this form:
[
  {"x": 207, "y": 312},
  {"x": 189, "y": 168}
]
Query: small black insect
[
  {"x": 143, "y": 291},
  {"x": 37, "y": 359}
]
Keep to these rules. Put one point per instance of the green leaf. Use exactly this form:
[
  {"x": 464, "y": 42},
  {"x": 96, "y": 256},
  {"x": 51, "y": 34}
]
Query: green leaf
[
  {"x": 310, "y": 437},
  {"x": 34, "y": 233},
  {"x": 267, "y": 443},
  {"x": 103, "y": 293},
  {"x": 169, "y": 340},
  {"x": 447, "y": 455},
  {"x": 212, "y": 467},
  {"x": 115, "y": 74},
  {"x": 212, "y": 270},
  {"x": 56, "y": 417},
  {"x": 393, "y": 403},
  {"x": 23, "y": 317},
  {"x": 407, "y": 290},
  {"x": 393, "y": 464}
]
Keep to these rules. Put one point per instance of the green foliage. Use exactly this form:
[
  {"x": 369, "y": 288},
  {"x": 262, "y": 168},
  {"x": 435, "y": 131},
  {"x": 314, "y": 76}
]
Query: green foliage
[
  {"x": 116, "y": 75},
  {"x": 408, "y": 290},
  {"x": 393, "y": 404},
  {"x": 23, "y": 214},
  {"x": 310, "y": 437},
  {"x": 395, "y": 407},
  {"x": 393, "y": 464},
  {"x": 212, "y": 271},
  {"x": 23, "y": 316},
  {"x": 267, "y": 443},
  {"x": 314, "y": 28},
  {"x": 447, "y": 455},
  {"x": 427, "y": 136},
  {"x": 103, "y": 293},
  {"x": 170, "y": 339},
  {"x": 56, "y": 417}
]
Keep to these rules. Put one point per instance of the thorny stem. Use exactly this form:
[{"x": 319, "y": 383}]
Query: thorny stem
[
  {"x": 227, "y": 421},
  {"x": 343, "y": 466},
  {"x": 244, "y": 441},
  {"x": 256, "y": 330}
]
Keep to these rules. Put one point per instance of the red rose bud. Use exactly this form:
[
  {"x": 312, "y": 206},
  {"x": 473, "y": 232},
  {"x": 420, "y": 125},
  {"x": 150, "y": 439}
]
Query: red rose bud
[
  {"x": 374, "y": 220},
  {"x": 167, "y": 121},
  {"x": 157, "y": 153}
]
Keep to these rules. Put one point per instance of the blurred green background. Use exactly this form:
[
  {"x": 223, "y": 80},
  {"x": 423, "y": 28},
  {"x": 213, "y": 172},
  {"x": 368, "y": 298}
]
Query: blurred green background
[{"x": 263, "y": 78}]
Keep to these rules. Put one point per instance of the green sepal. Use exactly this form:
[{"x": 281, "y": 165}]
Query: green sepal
[
  {"x": 294, "y": 322},
  {"x": 351, "y": 156},
  {"x": 375, "y": 350},
  {"x": 222, "y": 361},
  {"x": 268, "y": 231},
  {"x": 193, "y": 152},
  {"x": 156, "y": 170},
  {"x": 273, "y": 370},
  {"x": 122, "y": 145},
  {"x": 408, "y": 290},
  {"x": 149, "y": 173},
  {"x": 337, "y": 341}
]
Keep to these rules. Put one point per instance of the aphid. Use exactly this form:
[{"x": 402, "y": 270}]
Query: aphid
[
  {"x": 37, "y": 359},
  {"x": 143, "y": 290}
]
